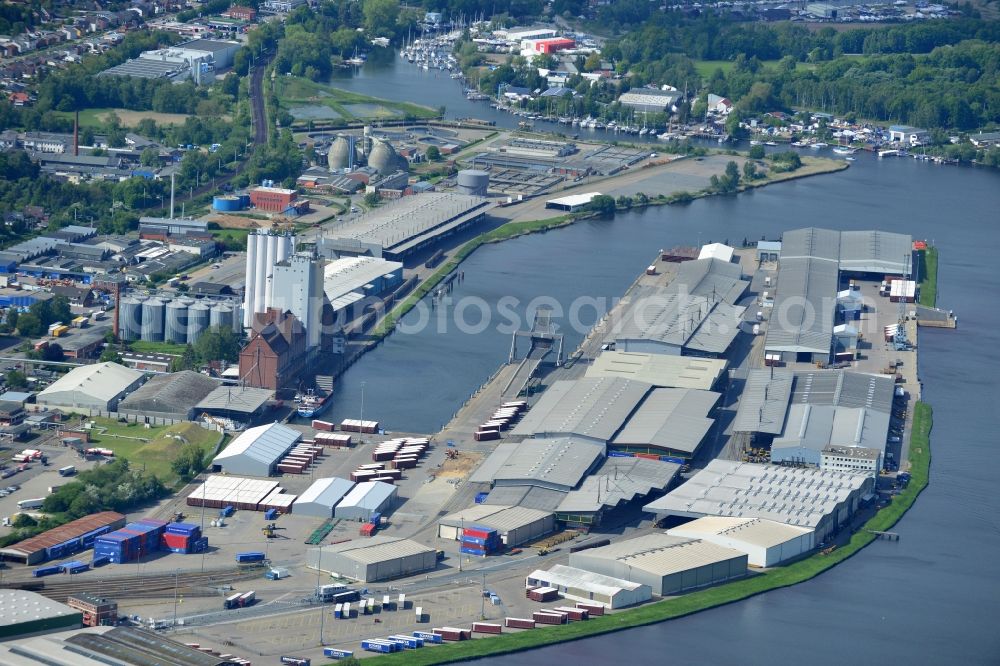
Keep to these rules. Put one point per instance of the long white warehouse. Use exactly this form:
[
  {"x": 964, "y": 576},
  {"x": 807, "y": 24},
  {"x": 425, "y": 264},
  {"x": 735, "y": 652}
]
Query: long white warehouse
[{"x": 766, "y": 542}]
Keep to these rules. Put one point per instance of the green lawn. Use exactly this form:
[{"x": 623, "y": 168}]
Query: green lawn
[
  {"x": 295, "y": 91},
  {"x": 707, "y": 67},
  {"x": 152, "y": 448},
  {"x": 928, "y": 286},
  {"x": 697, "y": 601},
  {"x": 147, "y": 347}
]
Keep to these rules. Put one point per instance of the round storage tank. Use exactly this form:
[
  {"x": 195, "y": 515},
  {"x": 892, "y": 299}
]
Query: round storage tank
[
  {"x": 383, "y": 157},
  {"x": 221, "y": 315},
  {"x": 198, "y": 317},
  {"x": 152, "y": 320},
  {"x": 227, "y": 203},
  {"x": 177, "y": 317},
  {"x": 130, "y": 318},
  {"x": 473, "y": 181}
]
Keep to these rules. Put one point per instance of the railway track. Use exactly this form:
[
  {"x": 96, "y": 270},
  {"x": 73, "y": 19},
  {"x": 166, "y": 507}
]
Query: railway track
[{"x": 133, "y": 587}]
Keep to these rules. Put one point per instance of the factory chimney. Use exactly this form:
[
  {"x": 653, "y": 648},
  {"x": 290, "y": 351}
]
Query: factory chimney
[
  {"x": 76, "y": 135},
  {"x": 171, "y": 196}
]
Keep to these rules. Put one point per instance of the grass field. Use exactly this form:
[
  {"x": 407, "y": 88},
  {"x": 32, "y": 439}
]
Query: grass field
[
  {"x": 702, "y": 600},
  {"x": 928, "y": 286},
  {"x": 97, "y": 117},
  {"x": 152, "y": 448},
  {"x": 295, "y": 91},
  {"x": 147, "y": 347},
  {"x": 230, "y": 236}
]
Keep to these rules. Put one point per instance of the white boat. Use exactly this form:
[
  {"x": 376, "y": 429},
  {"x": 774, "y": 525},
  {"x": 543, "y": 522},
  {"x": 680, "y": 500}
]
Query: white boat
[
  {"x": 818, "y": 145},
  {"x": 850, "y": 159},
  {"x": 844, "y": 150},
  {"x": 754, "y": 142},
  {"x": 799, "y": 144},
  {"x": 770, "y": 143}
]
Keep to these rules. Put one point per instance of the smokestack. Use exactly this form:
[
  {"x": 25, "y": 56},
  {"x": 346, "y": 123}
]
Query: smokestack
[
  {"x": 171, "y": 196},
  {"x": 76, "y": 135}
]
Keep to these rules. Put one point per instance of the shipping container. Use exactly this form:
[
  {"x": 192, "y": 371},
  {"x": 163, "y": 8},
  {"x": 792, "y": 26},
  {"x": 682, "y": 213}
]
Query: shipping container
[
  {"x": 337, "y": 653},
  {"x": 453, "y": 633},
  {"x": 486, "y": 628},
  {"x": 232, "y": 601},
  {"x": 419, "y": 614},
  {"x": 594, "y": 609},
  {"x": 371, "y": 466},
  {"x": 486, "y": 436},
  {"x": 376, "y": 645},
  {"x": 549, "y": 618},
  {"x": 346, "y": 612},
  {"x": 338, "y": 611},
  {"x": 249, "y": 556},
  {"x": 47, "y": 570},
  {"x": 68, "y": 470},
  {"x": 74, "y": 567},
  {"x": 428, "y": 636},
  {"x": 248, "y": 598},
  {"x": 408, "y": 642},
  {"x": 519, "y": 623},
  {"x": 100, "y": 561},
  {"x": 295, "y": 661},
  {"x": 575, "y": 614},
  {"x": 543, "y": 594},
  {"x": 325, "y": 426}
]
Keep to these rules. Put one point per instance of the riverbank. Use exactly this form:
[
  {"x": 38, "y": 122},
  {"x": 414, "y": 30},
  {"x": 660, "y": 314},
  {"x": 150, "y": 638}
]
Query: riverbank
[
  {"x": 695, "y": 602},
  {"x": 928, "y": 286}
]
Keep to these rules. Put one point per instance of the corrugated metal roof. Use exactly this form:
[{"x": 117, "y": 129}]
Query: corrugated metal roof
[
  {"x": 245, "y": 400},
  {"x": 804, "y": 306},
  {"x": 327, "y": 491},
  {"x": 618, "y": 480},
  {"x": 844, "y": 388},
  {"x": 659, "y": 369},
  {"x": 368, "y": 495},
  {"x": 64, "y": 533},
  {"x": 764, "y": 401},
  {"x": 501, "y": 518},
  {"x": 670, "y": 418},
  {"x": 589, "y": 407},
  {"x": 378, "y": 548},
  {"x": 487, "y": 470},
  {"x": 529, "y": 497},
  {"x": 135, "y": 646},
  {"x": 712, "y": 278},
  {"x": 801, "y": 496},
  {"x": 102, "y": 381},
  {"x": 19, "y": 606},
  {"x": 811, "y": 242},
  {"x": 347, "y": 274},
  {"x": 565, "y": 576},
  {"x": 173, "y": 392},
  {"x": 558, "y": 462},
  {"x": 876, "y": 252},
  {"x": 818, "y": 426},
  {"x": 265, "y": 444},
  {"x": 661, "y": 554},
  {"x": 752, "y": 531}
]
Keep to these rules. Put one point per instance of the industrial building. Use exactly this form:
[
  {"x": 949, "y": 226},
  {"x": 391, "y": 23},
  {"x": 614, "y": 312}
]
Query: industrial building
[
  {"x": 649, "y": 100},
  {"x": 320, "y": 498},
  {"x": 349, "y": 280},
  {"x": 241, "y": 404},
  {"x": 197, "y": 60},
  {"x": 812, "y": 266},
  {"x": 617, "y": 481},
  {"x": 23, "y": 613},
  {"x": 298, "y": 288},
  {"x": 179, "y": 320},
  {"x": 516, "y": 525},
  {"x": 764, "y": 401},
  {"x": 272, "y": 199},
  {"x": 663, "y": 320},
  {"x": 582, "y": 585},
  {"x": 98, "y": 387},
  {"x": 170, "y": 396},
  {"x": 398, "y": 229},
  {"x": 766, "y": 543},
  {"x": 365, "y": 499},
  {"x": 669, "y": 565},
  {"x": 256, "y": 451},
  {"x": 244, "y": 494},
  {"x": 591, "y": 408},
  {"x": 669, "y": 421},
  {"x": 100, "y": 646},
  {"x": 573, "y": 202},
  {"x": 375, "y": 559},
  {"x": 821, "y": 500},
  {"x": 264, "y": 250},
  {"x": 276, "y": 354},
  {"x": 557, "y": 463},
  {"x": 36, "y": 549},
  {"x": 661, "y": 370},
  {"x": 711, "y": 276}
]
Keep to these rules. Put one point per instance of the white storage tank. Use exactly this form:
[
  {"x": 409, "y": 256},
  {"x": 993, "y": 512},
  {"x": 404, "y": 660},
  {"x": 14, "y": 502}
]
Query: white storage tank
[
  {"x": 221, "y": 314},
  {"x": 177, "y": 316},
  {"x": 151, "y": 328},
  {"x": 473, "y": 181},
  {"x": 198, "y": 318},
  {"x": 130, "y": 317}
]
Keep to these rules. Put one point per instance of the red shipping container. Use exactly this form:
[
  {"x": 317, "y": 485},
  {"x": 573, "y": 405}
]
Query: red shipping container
[
  {"x": 593, "y": 609},
  {"x": 548, "y": 618},
  {"x": 322, "y": 425},
  {"x": 519, "y": 623}
]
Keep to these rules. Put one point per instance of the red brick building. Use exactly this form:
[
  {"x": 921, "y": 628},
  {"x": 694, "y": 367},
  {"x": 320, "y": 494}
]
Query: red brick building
[
  {"x": 241, "y": 12},
  {"x": 276, "y": 353},
  {"x": 272, "y": 199}
]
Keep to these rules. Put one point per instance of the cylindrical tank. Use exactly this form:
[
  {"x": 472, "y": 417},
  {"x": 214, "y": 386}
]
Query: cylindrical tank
[
  {"x": 177, "y": 316},
  {"x": 227, "y": 203},
  {"x": 221, "y": 314},
  {"x": 473, "y": 181},
  {"x": 198, "y": 318},
  {"x": 249, "y": 282},
  {"x": 260, "y": 274},
  {"x": 272, "y": 256},
  {"x": 152, "y": 320},
  {"x": 284, "y": 247},
  {"x": 130, "y": 317}
]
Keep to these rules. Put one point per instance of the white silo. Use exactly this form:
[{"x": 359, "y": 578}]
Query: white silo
[
  {"x": 260, "y": 275},
  {"x": 176, "y": 321},
  {"x": 198, "y": 319},
  {"x": 248, "y": 282},
  {"x": 273, "y": 241},
  {"x": 152, "y": 320}
]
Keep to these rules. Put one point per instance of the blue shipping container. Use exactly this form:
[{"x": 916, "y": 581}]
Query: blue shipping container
[
  {"x": 46, "y": 571},
  {"x": 428, "y": 636},
  {"x": 100, "y": 560},
  {"x": 473, "y": 551},
  {"x": 481, "y": 497},
  {"x": 182, "y": 528},
  {"x": 250, "y": 557},
  {"x": 336, "y": 653},
  {"x": 270, "y": 514}
]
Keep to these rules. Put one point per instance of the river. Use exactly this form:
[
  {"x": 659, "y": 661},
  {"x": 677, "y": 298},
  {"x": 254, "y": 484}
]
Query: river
[{"x": 931, "y": 597}]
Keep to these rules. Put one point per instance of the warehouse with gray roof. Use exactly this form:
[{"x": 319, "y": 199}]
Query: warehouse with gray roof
[
  {"x": 581, "y": 585},
  {"x": 669, "y": 421},
  {"x": 669, "y": 565},
  {"x": 320, "y": 498},
  {"x": 256, "y": 451},
  {"x": 375, "y": 559},
  {"x": 515, "y": 524},
  {"x": 365, "y": 499},
  {"x": 690, "y": 372},
  {"x": 710, "y": 278},
  {"x": 170, "y": 396},
  {"x": 98, "y": 387},
  {"x": 618, "y": 481},
  {"x": 558, "y": 463},
  {"x": 822, "y": 500}
]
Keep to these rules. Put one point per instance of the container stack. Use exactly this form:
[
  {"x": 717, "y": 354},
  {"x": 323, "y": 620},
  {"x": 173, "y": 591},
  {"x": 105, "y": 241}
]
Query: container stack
[
  {"x": 354, "y": 425},
  {"x": 133, "y": 541},
  {"x": 182, "y": 538},
  {"x": 480, "y": 541},
  {"x": 542, "y": 594},
  {"x": 502, "y": 419},
  {"x": 335, "y": 439}
]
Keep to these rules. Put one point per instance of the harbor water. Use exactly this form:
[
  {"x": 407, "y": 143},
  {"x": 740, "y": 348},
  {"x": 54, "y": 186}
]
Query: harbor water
[{"x": 929, "y": 598}]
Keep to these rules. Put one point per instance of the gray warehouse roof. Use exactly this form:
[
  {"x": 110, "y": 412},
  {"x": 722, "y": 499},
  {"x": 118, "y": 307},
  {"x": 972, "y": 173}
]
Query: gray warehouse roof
[
  {"x": 378, "y": 548},
  {"x": 764, "y": 401},
  {"x": 529, "y": 497},
  {"x": 591, "y": 407},
  {"x": 324, "y": 492},
  {"x": 239, "y": 399},
  {"x": 263, "y": 444},
  {"x": 367, "y": 495},
  {"x": 176, "y": 392},
  {"x": 818, "y": 426},
  {"x": 670, "y": 418},
  {"x": 19, "y": 606},
  {"x": 143, "y": 68},
  {"x": 558, "y": 463},
  {"x": 844, "y": 388},
  {"x": 801, "y": 496},
  {"x": 660, "y": 314},
  {"x": 101, "y": 381},
  {"x": 502, "y": 518},
  {"x": 804, "y": 306},
  {"x": 875, "y": 252},
  {"x": 616, "y": 481},
  {"x": 690, "y": 372},
  {"x": 713, "y": 279},
  {"x": 661, "y": 554}
]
